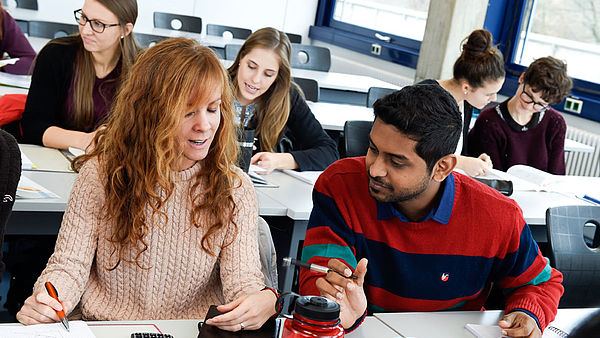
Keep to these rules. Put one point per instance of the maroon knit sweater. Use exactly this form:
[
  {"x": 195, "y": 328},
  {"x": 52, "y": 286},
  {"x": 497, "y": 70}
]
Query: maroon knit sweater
[{"x": 540, "y": 143}]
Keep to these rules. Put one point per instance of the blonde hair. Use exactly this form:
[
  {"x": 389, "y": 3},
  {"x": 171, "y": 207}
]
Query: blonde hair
[
  {"x": 273, "y": 107},
  {"x": 85, "y": 74},
  {"x": 139, "y": 147}
]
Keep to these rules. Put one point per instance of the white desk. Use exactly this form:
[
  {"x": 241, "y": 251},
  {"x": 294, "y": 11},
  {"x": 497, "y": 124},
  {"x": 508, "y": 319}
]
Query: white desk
[
  {"x": 332, "y": 116},
  {"x": 188, "y": 328},
  {"x": 452, "y": 323}
]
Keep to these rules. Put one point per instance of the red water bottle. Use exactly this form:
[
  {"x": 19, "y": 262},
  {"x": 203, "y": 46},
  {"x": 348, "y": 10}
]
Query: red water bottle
[{"x": 314, "y": 316}]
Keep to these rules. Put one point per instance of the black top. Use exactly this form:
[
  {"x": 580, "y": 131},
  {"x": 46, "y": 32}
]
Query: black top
[
  {"x": 304, "y": 137},
  {"x": 467, "y": 114},
  {"x": 49, "y": 88},
  {"x": 10, "y": 172}
]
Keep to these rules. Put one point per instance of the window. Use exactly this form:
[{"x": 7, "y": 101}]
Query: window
[
  {"x": 388, "y": 29},
  {"x": 567, "y": 30},
  {"x": 406, "y": 18},
  {"x": 577, "y": 41}
]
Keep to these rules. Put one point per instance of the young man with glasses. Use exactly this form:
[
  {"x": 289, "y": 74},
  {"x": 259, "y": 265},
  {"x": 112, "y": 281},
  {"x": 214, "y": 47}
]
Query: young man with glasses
[{"x": 525, "y": 129}]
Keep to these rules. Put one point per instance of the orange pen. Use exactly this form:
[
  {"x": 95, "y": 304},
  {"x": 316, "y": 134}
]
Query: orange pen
[{"x": 61, "y": 314}]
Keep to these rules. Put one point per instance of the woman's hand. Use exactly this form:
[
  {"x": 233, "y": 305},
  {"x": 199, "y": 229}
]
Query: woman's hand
[
  {"x": 272, "y": 161},
  {"x": 41, "y": 308},
  {"x": 248, "y": 312},
  {"x": 475, "y": 166}
]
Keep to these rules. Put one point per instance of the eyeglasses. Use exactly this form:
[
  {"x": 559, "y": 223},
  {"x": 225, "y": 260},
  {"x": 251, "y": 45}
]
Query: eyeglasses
[
  {"x": 536, "y": 105},
  {"x": 96, "y": 25}
]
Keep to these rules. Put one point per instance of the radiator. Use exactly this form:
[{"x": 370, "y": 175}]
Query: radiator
[{"x": 580, "y": 163}]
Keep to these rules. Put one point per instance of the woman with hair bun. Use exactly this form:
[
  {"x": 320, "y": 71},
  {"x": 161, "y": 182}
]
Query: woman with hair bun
[{"x": 478, "y": 75}]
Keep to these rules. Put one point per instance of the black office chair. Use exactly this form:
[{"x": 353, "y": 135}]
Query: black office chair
[
  {"x": 10, "y": 172},
  {"x": 24, "y": 25},
  {"x": 310, "y": 88},
  {"x": 231, "y": 51},
  {"x": 294, "y": 38},
  {"x": 147, "y": 40},
  {"x": 573, "y": 237},
  {"x": 236, "y": 32},
  {"x": 51, "y": 30},
  {"x": 375, "y": 93},
  {"x": 178, "y": 22},
  {"x": 356, "y": 137},
  {"x": 311, "y": 57},
  {"x": 27, "y": 4}
]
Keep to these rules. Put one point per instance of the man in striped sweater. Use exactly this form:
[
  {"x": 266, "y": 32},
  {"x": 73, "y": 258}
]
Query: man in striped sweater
[{"x": 434, "y": 239}]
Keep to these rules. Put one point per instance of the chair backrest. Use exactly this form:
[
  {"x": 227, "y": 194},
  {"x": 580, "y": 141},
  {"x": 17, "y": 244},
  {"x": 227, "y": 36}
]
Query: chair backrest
[
  {"x": 580, "y": 264},
  {"x": 147, "y": 40},
  {"x": 356, "y": 137},
  {"x": 10, "y": 172},
  {"x": 294, "y": 38},
  {"x": 27, "y": 4},
  {"x": 310, "y": 88},
  {"x": 178, "y": 22},
  {"x": 268, "y": 257},
  {"x": 236, "y": 32},
  {"x": 51, "y": 30},
  {"x": 24, "y": 25},
  {"x": 375, "y": 93},
  {"x": 231, "y": 51},
  {"x": 311, "y": 57}
]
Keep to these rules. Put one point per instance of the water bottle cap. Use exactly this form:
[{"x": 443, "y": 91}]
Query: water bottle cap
[{"x": 317, "y": 308}]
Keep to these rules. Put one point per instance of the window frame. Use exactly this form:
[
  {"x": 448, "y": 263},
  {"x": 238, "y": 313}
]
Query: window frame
[
  {"x": 504, "y": 19},
  {"x": 399, "y": 50}
]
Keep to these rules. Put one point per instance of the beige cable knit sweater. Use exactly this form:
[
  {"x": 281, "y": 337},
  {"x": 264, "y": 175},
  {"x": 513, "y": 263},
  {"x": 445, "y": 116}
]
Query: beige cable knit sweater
[{"x": 182, "y": 280}]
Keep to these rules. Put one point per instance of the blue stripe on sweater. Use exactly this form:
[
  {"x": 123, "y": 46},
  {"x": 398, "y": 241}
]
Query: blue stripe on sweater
[
  {"x": 515, "y": 263},
  {"x": 326, "y": 213},
  {"x": 419, "y": 276}
]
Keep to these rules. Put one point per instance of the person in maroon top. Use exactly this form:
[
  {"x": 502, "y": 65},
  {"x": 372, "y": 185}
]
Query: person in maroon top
[
  {"x": 524, "y": 129},
  {"x": 14, "y": 43},
  {"x": 76, "y": 77}
]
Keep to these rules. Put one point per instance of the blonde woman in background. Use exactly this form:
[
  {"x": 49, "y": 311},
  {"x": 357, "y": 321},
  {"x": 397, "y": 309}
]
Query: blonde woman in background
[{"x": 289, "y": 136}]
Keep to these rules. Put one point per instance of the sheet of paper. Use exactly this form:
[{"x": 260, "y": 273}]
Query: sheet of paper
[
  {"x": 26, "y": 162},
  {"x": 27, "y": 188},
  {"x": 76, "y": 152},
  {"x": 21, "y": 81},
  {"x": 4, "y": 62},
  {"x": 78, "y": 329},
  {"x": 309, "y": 177},
  {"x": 485, "y": 331}
]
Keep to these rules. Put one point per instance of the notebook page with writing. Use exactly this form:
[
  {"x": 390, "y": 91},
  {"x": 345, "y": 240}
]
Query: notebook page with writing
[
  {"x": 78, "y": 329},
  {"x": 494, "y": 331}
]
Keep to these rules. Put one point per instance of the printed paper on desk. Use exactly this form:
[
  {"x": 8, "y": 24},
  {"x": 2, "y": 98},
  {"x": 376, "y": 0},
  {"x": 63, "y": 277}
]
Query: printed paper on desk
[
  {"x": 79, "y": 329},
  {"x": 30, "y": 189}
]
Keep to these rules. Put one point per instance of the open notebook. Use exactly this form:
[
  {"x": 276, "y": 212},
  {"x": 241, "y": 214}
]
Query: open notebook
[{"x": 78, "y": 329}]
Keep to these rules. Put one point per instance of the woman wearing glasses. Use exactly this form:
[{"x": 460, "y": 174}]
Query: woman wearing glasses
[
  {"x": 76, "y": 77},
  {"x": 524, "y": 129}
]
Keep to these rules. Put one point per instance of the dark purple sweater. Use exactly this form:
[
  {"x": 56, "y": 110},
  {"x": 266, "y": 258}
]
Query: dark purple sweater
[
  {"x": 16, "y": 45},
  {"x": 49, "y": 102},
  {"x": 540, "y": 144}
]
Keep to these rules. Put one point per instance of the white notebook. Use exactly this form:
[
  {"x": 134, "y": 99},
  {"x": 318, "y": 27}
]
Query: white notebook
[{"x": 78, "y": 329}]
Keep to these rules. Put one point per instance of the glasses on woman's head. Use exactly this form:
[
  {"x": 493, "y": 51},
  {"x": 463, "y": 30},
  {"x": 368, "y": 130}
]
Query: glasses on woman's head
[
  {"x": 96, "y": 25},
  {"x": 526, "y": 97}
]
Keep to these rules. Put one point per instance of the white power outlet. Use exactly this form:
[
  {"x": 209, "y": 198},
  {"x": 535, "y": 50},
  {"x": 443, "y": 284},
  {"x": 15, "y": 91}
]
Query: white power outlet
[
  {"x": 375, "y": 49},
  {"x": 573, "y": 105}
]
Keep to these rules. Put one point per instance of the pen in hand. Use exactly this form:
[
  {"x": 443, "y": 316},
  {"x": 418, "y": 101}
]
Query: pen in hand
[
  {"x": 314, "y": 267},
  {"x": 61, "y": 314}
]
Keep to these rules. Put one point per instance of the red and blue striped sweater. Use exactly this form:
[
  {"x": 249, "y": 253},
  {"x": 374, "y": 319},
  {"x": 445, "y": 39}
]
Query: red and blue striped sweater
[{"x": 447, "y": 261}]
